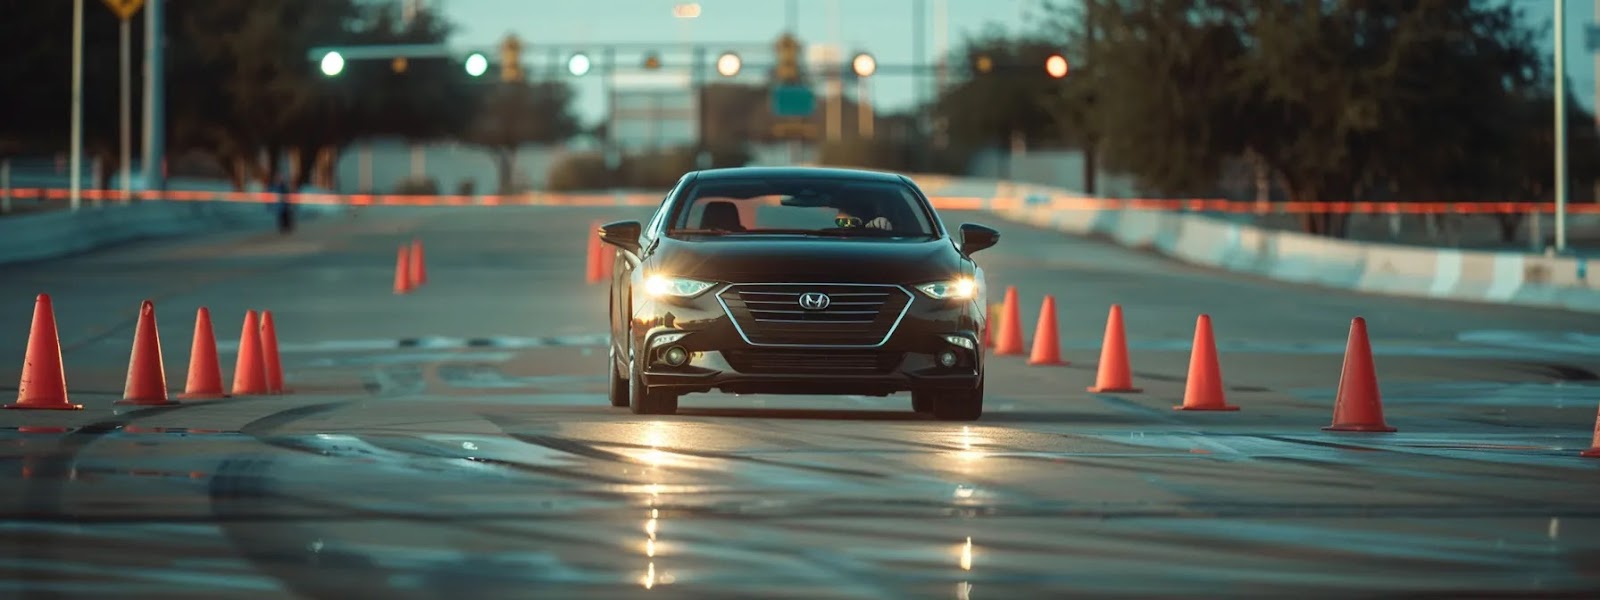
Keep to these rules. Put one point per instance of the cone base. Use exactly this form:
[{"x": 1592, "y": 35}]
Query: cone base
[
  {"x": 1114, "y": 390},
  {"x": 1591, "y": 453},
  {"x": 1380, "y": 428},
  {"x": 127, "y": 402},
  {"x": 1225, "y": 407},
  {"x": 33, "y": 406}
]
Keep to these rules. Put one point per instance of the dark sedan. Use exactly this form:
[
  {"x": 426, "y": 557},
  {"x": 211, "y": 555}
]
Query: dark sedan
[{"x": 797, "y": 281}]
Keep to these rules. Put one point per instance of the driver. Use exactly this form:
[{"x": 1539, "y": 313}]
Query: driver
[{"x": 846, "y": 220}]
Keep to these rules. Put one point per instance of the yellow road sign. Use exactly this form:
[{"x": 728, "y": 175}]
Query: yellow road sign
[{"x": 124, "y": 8}]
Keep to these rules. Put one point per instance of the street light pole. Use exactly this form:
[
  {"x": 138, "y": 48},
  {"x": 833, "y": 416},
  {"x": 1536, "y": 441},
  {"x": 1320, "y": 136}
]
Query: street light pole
[
  {"x": 155, "y": 114},
  {"x": 75, "y": 161},
  {"x": 125, "y": 141},
  {"x": 1561, "y": 126}
]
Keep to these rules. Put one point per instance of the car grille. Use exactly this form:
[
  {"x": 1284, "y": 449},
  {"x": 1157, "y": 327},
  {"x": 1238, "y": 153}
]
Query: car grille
[
  {"x": 803, "y": 362},
  {"x": 858, "y": 315}
]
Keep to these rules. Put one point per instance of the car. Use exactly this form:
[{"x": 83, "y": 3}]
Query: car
[{"x": 797, "y": 280}]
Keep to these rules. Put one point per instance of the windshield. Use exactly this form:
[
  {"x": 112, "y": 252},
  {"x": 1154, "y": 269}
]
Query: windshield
[{"x": 813, "y": 207}]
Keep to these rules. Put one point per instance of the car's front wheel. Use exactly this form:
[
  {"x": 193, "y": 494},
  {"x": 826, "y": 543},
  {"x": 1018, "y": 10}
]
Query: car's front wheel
[
  {"x": 641, "y": 399},
  {"x": 618, "y": 388},
  {"x": 958, "y": 405}
]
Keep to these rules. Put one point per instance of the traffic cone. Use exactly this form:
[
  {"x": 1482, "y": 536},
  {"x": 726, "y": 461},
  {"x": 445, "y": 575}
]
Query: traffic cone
[
  {"x": 205, "y": 371},
  {"x": 44, "y": 381},
  {"x": 1358, "y": 405},
  {"x": 402, "y": 271},
  {"x": 269, "y": 352},
  {"x": 1114, "y": 374},
  {"x": 592, "y": 273},
  {"x": 1046, "y": 345},
  {"x": 1010, "y": 342},
  {"x": 419, "y": 265},
  {"x": 1594, "y": 443},
  {"x": 250, "y": 371},
  {"x": 1203, "y": 390},
  {"x": 147, "y": 374}
]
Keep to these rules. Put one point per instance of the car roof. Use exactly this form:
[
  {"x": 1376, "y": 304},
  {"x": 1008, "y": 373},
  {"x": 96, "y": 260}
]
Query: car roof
[{"x": 832, "y": 173}]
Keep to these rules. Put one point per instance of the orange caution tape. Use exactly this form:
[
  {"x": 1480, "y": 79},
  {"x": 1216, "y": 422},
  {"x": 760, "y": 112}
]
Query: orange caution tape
[{"x": 1054, "y": 202}]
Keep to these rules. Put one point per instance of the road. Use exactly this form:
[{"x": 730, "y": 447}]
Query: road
[{"x": 457, "y": 440}]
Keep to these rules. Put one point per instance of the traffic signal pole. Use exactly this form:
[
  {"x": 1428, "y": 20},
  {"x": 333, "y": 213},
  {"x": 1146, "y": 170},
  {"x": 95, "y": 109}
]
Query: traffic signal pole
[{"x": 155, "y": 103}]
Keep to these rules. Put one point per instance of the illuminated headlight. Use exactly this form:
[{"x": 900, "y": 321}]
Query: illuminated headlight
[
  {"x": 960, "y": 288},
  {"x": 662, "y": 286},
  {"x": 956, "y": 340}
]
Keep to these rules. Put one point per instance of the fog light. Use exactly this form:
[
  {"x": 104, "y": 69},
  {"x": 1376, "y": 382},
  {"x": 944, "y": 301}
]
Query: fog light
[
  {"x": 947, "y": 359},
  {"x": 675, "y": 356}
]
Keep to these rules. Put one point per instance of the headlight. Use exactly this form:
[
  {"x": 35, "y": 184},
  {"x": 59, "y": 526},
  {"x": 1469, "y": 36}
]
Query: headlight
[
  {"x": 960, "y": 288},
  {"x": 661, "y": 286}
]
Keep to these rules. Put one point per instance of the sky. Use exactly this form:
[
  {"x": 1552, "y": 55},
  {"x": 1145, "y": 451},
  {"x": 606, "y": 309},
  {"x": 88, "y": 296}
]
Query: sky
[{"x": 881, "y": 27}]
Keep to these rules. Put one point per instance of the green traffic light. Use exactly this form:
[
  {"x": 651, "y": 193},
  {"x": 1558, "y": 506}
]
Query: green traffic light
[
  {"x": 477, "y": 64},
  {"x": 332, "y": 64}
]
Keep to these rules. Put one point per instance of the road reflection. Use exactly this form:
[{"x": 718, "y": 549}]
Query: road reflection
[{"x": 656, "y": 435}]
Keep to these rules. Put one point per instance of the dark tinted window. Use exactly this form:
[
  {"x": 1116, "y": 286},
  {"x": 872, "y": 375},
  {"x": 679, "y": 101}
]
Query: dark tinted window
[{"x": 841, "y": 208}]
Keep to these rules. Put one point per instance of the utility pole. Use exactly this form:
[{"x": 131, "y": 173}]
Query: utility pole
[
  {"x": 75, "y": 162},
  {"x": 155, "y": 106},
  {"x": 125, "y": 137},
  {"x": 1561, "y": 126}
]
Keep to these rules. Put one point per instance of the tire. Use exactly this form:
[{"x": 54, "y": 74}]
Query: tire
[
  {"x": 618, "y": 387},
  {"x": 922, "y": 402},
  {"x": 641, "y": 399},
  {"x": 959, "y": 405}
]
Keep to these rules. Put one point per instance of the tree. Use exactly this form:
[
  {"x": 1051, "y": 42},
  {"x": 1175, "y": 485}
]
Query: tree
[
  {"x": 1012, "y": 96},
  {"x": 515, "y": 114},
  {"x": 1344, "y": 100}
]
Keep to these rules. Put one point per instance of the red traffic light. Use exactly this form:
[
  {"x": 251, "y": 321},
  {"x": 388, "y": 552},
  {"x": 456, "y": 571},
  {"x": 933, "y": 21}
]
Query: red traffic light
[{"x": 1056, "y": 66}]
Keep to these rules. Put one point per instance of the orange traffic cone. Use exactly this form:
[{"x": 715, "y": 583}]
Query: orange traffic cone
[
  {"x": 402, "y": 271},
  {"x": 250, "y": 371},
  {"x": 1358, "y": 406},
  {"x": 592, "y": 273},
  {"x": 419, "y": 265},
  {"x": 147, "y": 374},
  {"x": 1594, "y": 444},
  {"x": 1114, "y": 373},
  {"x": 1010, "y": 342},
  {"x": 1046, "y": 345},
  {"x": 608, "y": 262},
  {"x": 205, "y": 371},
  {"x": 1203, "y": 390},
  {"x": 269, "y": 352},
  {"x": 44, "y": 381}
]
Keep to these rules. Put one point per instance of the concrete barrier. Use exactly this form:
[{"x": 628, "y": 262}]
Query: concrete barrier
[
  {"x": 1488, "y": 276},
  {"x": 45, "y": 235}
]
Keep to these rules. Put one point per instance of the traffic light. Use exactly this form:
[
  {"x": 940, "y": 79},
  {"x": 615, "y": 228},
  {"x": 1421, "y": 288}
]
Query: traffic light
[
  {"x": 477, "y": 64},
  {"x": 1056, "y": 66},
  {"x": 788, "y": 69},
  {"x": 511, "y": 59}
]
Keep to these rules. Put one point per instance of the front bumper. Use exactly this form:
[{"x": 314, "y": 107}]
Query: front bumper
[{"x": 721, "y": 357}]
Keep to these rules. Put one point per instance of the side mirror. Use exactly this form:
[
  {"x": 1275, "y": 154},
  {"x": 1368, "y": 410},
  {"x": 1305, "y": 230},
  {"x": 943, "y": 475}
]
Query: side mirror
[
  {"x": 977, "y": 237},
  {"x": 622, "y": 234}
]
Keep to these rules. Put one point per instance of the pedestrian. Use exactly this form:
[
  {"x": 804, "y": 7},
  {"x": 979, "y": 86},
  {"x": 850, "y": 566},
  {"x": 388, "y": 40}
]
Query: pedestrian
[{"x": 285, "y": 209}]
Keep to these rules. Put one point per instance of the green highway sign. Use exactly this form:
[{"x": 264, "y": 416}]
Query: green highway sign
[{"x": 793, "y": 101}]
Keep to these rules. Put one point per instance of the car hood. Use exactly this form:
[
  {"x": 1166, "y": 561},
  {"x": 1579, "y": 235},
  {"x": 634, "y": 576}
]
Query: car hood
[{"x": 751, "y": 259}]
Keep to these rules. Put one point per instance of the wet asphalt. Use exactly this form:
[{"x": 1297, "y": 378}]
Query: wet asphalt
[{"x": 457, "y": 441}]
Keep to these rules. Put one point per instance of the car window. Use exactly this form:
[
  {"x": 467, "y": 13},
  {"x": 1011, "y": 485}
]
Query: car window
[{"x": 802, "y": 206}]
